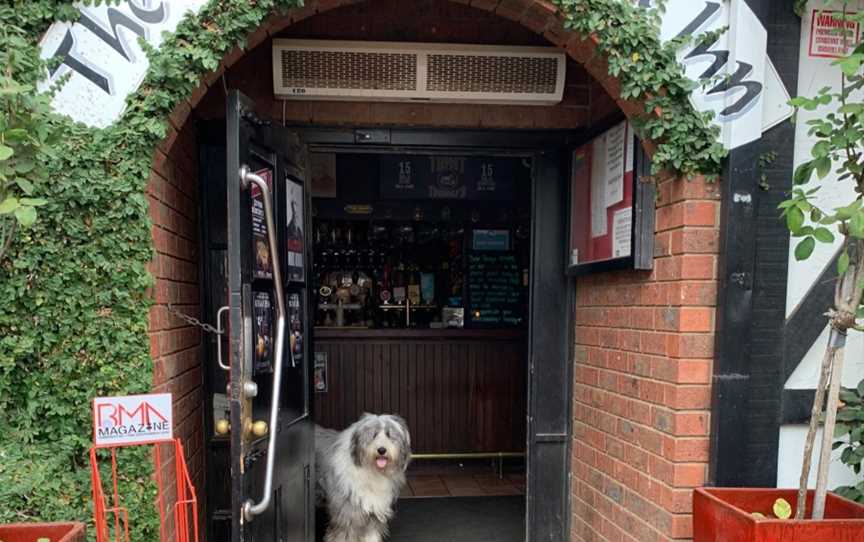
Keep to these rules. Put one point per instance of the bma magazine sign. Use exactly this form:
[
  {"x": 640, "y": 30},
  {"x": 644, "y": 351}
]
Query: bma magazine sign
[{"x": 132, "y": 419}]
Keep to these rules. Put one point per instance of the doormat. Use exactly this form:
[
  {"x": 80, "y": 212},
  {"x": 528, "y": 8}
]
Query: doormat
[{"x": 459, "y": 519}]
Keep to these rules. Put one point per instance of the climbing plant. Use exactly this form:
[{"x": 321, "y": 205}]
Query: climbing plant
[
  {"x": 74, "y": 282},
  {"x": 647, "y": 69}
]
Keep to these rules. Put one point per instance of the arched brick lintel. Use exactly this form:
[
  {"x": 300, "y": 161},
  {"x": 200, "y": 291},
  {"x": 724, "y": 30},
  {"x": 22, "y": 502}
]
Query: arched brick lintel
[
  {"x": 644, "y": 341},
  {"x": 540, "y": 16}
]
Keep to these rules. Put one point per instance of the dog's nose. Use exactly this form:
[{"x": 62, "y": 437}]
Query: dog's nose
[{"x": 382, "y": 451}]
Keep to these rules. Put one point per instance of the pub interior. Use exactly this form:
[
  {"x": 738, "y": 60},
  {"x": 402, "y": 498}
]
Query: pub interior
[{"x": 420, "y": 277}]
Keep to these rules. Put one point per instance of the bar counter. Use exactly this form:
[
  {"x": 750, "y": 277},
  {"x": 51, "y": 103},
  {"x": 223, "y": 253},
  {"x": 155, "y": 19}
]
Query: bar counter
[{"x": 460, "y": 390}]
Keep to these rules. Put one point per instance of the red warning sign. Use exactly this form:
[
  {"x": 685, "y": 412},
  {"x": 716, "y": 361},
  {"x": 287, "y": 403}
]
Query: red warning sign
[{"x": 827, "y": 38}]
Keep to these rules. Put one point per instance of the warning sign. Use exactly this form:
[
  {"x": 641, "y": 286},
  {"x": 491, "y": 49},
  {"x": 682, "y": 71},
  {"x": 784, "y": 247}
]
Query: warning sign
[
  {"x": 132, "y": 419},
  {"x": 830, "y": 31}
]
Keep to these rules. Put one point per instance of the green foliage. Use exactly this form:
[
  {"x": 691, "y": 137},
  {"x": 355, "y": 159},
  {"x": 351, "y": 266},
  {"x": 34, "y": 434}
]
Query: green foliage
[
  {"x": 839, "y": 148},
  {"x": 850, "y": 431},
  {"x": 29, "y": 133},
  {"x": 648, "y": 70},
  {"x": 74, "y": 285}
]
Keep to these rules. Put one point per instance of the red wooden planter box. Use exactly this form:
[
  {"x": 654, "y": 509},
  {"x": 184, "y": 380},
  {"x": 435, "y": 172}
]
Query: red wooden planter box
[
  {"x": 725, "y": 515},
  {"x": 31, "y": 532}
]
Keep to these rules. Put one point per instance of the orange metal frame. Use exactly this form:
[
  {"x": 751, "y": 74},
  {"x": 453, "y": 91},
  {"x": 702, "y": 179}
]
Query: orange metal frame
[{"x": 117, "y": 516}]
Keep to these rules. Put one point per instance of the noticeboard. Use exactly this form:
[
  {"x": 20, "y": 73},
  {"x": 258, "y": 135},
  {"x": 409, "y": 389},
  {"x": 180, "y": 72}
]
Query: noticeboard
[{"x": 607, "y": 212}]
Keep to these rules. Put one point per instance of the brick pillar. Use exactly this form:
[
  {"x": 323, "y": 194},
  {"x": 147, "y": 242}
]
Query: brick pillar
[
  {"x": 644, "y": 348},
  {"x": 175, "y": 346}
]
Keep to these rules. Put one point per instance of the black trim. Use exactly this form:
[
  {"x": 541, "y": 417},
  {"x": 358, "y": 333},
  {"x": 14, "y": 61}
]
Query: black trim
[
  {"x": 731, "y": 387},
  {"x": 550, "y": 378},
  {"x": 797, "y": 406},
  {"x": 808, "y": 320},
  {"x": 749, "y": 358}
]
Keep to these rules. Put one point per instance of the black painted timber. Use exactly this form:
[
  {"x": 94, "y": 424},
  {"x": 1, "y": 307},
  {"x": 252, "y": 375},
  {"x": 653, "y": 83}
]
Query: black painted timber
[{"x": 749, "y": 371}]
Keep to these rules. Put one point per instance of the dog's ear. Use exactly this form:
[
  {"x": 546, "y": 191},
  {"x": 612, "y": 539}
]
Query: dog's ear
[
  {"x": 356, "y": 448},
  {"x": 405, "y": 441},
  {"x": 403, "y": 425}
]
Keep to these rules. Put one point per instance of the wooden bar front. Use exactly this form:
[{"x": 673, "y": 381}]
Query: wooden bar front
[{"x": 461, "y": 391}]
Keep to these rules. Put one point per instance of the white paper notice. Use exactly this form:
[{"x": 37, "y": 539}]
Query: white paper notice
[
  {"x": 622, "y": 229},
  {"x": 598, "y": 188},
  {"x": 615, "y": 151}
]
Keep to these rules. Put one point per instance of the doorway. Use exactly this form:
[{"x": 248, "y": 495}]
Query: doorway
[
  {"x": 421, "y": 272},
  {"x": 466, "y": 365}
]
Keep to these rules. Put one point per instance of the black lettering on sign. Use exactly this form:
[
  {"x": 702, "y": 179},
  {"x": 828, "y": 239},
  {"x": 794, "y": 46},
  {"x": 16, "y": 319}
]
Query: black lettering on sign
[
  {"x": 110, "y": 35},
  {"x": 752, "y": 89},
  {"x": 67, "y": 52}
]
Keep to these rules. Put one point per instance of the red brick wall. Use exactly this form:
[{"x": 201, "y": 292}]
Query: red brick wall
[
  {"x": 176, "y": 347},
  {"x": 644, "y": 345},
  {"x": 644, "y": 341}
]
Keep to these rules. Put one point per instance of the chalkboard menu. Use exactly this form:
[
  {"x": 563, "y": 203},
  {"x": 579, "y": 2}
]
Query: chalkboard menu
[
  {"x": 495, "y": 290},
  {"x": 448, "y": 177}
]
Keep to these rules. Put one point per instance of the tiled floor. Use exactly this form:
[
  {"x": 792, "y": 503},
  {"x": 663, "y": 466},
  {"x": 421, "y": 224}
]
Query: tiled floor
[{"x": 460, "y": 481}]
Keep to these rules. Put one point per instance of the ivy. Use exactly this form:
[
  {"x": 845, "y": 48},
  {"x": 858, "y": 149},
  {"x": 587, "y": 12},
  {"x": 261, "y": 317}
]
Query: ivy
[
  {"x": 850, "y": 431},
  {"x": 74, "y": 285},
  {"x": 648, "y": 70}
]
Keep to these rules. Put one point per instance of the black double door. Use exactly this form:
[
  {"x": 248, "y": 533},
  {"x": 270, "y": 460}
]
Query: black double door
[
  {"x": 260, "y": 438},
  {"x": 260, "y": 448}
]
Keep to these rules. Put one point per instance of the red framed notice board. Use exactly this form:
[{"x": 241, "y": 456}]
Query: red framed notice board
[{"x": 607, "y": 220}]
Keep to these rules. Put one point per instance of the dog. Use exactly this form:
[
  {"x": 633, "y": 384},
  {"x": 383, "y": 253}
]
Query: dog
[{"x": 359, "y": 474}]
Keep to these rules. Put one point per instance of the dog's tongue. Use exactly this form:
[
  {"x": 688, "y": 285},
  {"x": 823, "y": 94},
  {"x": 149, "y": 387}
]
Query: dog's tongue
[{"x": 381, "y": 462}]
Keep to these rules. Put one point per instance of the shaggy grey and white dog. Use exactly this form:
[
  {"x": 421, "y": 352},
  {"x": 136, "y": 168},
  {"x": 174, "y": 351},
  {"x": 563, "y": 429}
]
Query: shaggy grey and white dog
[{"x": 360, "y": 473}]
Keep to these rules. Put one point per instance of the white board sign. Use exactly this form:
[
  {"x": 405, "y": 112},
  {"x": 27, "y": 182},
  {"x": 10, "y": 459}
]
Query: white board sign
[
  {"x": 739, "y": 82},
  {"x": 132, "y": 419},
  {"x": 103, "y": 57}
]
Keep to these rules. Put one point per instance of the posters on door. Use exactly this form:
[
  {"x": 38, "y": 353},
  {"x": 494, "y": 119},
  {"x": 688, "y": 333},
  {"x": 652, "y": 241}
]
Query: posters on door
[{"x": 294, "y": 231}]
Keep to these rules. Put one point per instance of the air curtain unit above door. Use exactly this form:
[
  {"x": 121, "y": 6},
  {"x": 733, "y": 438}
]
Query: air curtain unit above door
[{"x": 385, "y": 71}]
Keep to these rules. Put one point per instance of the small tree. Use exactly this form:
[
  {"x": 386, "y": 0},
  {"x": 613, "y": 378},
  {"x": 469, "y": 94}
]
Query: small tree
[{"x": 839, "y": 146}]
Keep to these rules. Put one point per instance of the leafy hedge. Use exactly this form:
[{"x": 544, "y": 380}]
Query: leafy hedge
[{"x": 74, "y": 287}]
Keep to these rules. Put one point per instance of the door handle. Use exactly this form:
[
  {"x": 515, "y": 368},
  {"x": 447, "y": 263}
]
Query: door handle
[
  {"x": 220, "y": 330},
  {"x": 250, "y": 508}
]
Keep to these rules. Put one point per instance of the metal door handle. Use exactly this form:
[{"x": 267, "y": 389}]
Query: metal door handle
[
  {"x": 250, "y": 508},
  {"x": 220, "y": 331}
]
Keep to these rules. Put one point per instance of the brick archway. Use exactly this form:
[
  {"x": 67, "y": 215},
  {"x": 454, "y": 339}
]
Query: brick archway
[
  {"x": 540, "y": 16},
  {"x": 643, "y": 341}
]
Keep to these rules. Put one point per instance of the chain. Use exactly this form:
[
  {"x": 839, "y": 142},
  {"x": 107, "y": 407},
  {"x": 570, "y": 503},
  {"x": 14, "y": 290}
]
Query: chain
[{"x": 194, "y": 321}]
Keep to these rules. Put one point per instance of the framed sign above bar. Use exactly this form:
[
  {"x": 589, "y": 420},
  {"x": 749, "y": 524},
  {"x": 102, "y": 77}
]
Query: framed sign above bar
[
  {"x": 611, "y": 213},
  {"x": 448, "y": 177}
]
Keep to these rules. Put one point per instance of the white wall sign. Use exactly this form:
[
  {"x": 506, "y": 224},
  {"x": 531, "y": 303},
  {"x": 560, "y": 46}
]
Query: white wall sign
[
  {"x": 103, "y": 56},
  {"x": 132, "y": 419},
  {"x": 740, "y": 84},
  {"x": 106, "y": 62}
]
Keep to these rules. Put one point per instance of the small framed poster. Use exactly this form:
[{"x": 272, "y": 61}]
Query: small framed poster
[
  {"x": 295, "y": 246},
  {"x": 262, "y": 267},
  {"x": 295, "y": 330},
  {"x": 323, "y": 174},
  {"x": 262, "y": 308},
  {"x": 611, "y": 220},
  {"x": 491, "y": 240},
  {"x": 320, "y": 374}
]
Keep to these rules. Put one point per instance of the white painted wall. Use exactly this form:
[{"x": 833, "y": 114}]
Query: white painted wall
[
  {"x": 791, "y": 453},
  {"x": 815, "y": 73},
  {"x": 114, "y": 58}
]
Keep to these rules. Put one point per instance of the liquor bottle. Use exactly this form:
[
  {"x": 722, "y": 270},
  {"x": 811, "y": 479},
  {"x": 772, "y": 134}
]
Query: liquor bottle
[
  {"x": 385, "y": 292},
  {"x": 414, "y": 285},
  {"x": 399, "y": 283}
]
